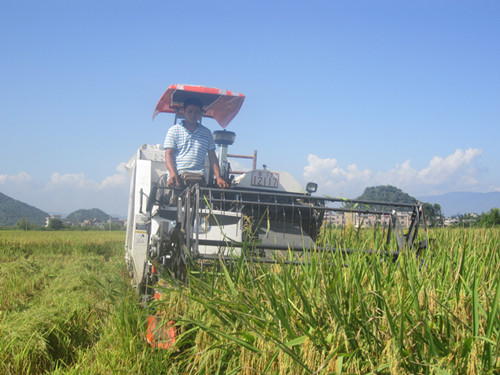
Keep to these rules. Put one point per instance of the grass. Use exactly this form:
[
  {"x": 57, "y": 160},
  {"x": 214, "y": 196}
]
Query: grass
[{"x": 66, "y": 309}]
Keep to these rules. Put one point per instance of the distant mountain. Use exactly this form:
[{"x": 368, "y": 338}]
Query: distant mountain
[
  {"x": 12, "y": 210},
  {"x": 464, "y": 202},
  {"x": 93, "y": 214}
]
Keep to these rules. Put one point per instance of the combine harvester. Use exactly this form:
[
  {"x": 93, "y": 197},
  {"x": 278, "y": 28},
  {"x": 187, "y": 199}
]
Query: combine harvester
[{"x": 262, "y": 213}]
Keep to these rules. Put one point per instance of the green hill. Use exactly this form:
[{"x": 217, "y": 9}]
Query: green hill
[
  {"x": 93, "y": 214},
  {"x": 391, "y": 194},
  {"x": 12, "y": 210},
  {"x": 386, "y": 193}
]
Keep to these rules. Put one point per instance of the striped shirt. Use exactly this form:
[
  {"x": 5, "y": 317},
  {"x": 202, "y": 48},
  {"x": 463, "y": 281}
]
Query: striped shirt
[{"x": 190, "y": 148}]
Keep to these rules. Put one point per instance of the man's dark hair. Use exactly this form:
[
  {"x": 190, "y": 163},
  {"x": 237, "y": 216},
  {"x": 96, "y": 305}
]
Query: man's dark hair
[{"x": 192, "y": 101}]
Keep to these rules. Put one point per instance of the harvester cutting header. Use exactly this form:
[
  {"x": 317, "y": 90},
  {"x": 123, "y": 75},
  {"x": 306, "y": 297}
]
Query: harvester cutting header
[{"x": 259, "y": 214}]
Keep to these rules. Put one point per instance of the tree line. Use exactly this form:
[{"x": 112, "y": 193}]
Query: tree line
[
  {"x": 433, "y": 212},
  {"x": 58, "y": 224},
  {"x": 486, "y": 219}
]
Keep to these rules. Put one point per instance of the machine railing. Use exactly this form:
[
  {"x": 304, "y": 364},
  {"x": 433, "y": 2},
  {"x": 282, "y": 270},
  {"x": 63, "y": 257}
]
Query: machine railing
[
  {"x": 293, "y": 221},
  {"x": 253, "y": 157}
]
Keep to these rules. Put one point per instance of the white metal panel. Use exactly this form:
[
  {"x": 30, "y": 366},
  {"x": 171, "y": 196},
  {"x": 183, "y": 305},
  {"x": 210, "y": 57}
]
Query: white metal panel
[
  {"x": 140, "y": 236},
  {"x": 219, "y": 226},
  {"x": 285, "y": 182}
]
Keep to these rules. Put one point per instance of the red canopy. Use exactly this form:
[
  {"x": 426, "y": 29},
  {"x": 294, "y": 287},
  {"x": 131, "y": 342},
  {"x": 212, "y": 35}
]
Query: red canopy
[{"x": 221, "y": 105}]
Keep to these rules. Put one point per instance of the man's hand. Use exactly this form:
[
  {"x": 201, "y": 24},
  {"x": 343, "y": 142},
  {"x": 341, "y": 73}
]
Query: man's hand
[
  {"x": 173, "y": 181},
  {"x": 215, "y": 166},
  {"x": 222, "y": 183}
]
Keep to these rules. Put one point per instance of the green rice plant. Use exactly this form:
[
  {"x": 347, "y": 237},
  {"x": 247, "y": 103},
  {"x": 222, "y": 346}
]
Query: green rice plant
[{"x": 361, "y": 313}]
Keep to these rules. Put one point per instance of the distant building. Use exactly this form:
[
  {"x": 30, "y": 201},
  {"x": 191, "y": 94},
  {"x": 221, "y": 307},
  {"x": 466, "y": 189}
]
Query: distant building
[
  {"x": 468, "y": 218},
  {"x": 359, "y": 220},
  {"x": 51, "y": 217},
  {"x": 450, "y": 221},
  {"x": 102, "y": 224}
]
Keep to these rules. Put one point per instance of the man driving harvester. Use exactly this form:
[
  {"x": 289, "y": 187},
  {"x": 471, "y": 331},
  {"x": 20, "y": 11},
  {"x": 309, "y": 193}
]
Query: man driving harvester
[{"x": 186, "y": 146}]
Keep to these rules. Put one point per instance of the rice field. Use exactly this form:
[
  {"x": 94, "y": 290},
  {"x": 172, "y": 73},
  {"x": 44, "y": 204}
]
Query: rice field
[
  {"x": 66, "y": 307},
  {"x": 57, "y": 291}
]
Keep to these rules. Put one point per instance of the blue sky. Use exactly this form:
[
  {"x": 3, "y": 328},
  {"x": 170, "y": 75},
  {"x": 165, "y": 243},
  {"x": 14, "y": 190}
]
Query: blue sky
[{"x": 349, "y": 94}]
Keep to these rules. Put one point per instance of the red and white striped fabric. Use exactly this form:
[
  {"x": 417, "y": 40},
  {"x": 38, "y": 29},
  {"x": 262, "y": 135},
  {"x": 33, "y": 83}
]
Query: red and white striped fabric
[{"x": 221, "y": 105}]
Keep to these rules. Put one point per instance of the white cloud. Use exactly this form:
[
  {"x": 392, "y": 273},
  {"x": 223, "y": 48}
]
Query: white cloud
[
  {"x": 441, "y": 169},
  {"x": 78, "y": 181},
  {"x": 114, "y": 181},
  {"x": 70, "y": 181},
  {"x": 117, "y": 180},
  {"x": 328, "y": 172},
  {"x": 69, "y": 192},
  {"x": 122, "y": 167},
  {"x": 20, "y": 178},
  {"x": 443, "y": 174}
]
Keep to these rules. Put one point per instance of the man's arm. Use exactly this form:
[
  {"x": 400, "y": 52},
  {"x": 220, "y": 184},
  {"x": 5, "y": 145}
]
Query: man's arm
[
  {"x": 214, "y": 163},
  {"x": 173, "y": 178}
]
